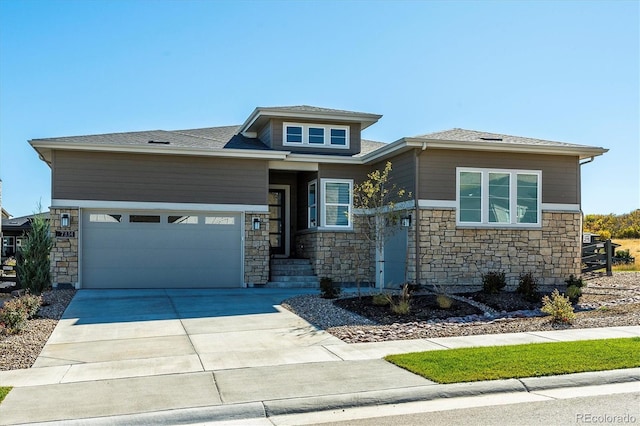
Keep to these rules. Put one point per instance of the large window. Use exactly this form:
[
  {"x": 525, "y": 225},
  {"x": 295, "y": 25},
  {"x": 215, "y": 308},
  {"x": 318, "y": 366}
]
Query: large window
[
  {"x": 330, "y": 136},
  {"x": 499, "y": 197},
  {"x": 337, "y": 202},
  {"x": 312, "y": 204}
]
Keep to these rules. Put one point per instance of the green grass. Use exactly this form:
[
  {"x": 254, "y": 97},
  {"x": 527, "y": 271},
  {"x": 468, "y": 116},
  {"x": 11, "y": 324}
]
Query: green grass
[
  {"x": 517, "y": 361},
  {"x": 4, "y": 391}
]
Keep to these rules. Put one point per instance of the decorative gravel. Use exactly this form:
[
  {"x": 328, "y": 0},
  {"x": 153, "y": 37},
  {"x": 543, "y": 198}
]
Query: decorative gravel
[
  {"x": 21, "y": 350},
  {"x": 606, "y": 302}
]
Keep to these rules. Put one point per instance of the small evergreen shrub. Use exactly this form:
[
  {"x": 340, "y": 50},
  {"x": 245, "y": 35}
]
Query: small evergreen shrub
[
  {"x": 573, "y": 281},
  {"x": 379, "y": 299},
  {"x": 528, "y": 287},
  {"x": 493, "y": 282},
  {"x": 573, "y": 293},
  {"x": 328, "y": 289},
  {"x": 559, "y": 307}
]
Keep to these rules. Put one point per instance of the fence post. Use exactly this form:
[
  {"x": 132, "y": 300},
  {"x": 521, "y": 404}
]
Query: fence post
[{"x": 607, "y": 247}]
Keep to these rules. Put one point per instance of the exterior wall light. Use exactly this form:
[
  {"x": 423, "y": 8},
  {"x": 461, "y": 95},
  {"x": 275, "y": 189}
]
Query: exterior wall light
[
  {"x": 65, "y": 220},
  {"x": 256, "y": 223},
  {"x": 405, "y": 221}
]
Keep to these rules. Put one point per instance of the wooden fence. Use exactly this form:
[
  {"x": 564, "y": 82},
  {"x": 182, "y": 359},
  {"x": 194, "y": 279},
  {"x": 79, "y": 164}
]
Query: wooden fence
[{"x": 597, "y": 254}]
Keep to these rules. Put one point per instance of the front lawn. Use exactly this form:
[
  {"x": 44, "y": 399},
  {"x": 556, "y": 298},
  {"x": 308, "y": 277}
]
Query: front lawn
[
  {"x": 517, "y": 361},
  {"x": 4, "y": 391}
]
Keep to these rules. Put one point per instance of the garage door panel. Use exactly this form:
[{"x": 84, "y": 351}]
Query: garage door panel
[{"x": 168, "y": 254}]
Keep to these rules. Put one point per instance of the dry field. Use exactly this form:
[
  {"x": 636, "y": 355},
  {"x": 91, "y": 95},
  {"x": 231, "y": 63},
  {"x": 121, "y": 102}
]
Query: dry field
[{"x": 633, "y": 245}]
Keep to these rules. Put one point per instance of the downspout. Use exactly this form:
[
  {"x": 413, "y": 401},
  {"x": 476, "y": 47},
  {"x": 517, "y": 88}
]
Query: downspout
[{"x": 417, "y": 213}]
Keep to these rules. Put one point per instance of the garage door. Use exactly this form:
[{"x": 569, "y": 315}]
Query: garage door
[{"x": 161, "y": 250}]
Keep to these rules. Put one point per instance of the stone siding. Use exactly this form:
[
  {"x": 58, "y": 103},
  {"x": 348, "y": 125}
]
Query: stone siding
[
  {"x": 458, "y": 257},
  {"x": 256, "y": 250},
  {"x": 339, "y": 255},
  {"x": 64, "y": 251}
]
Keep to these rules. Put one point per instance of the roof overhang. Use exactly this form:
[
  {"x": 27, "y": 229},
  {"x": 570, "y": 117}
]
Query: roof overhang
[
  {"x": 404, "y": 144},
  {"x": 260, "y": 116},
  {"x": 45, "y": 150}
]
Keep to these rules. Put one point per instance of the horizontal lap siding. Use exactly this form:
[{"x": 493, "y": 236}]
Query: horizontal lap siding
[
  {"x": 403, "y": 171},
  {"x": 560, "y": 174},
  {"x": 158, "y": 178}
]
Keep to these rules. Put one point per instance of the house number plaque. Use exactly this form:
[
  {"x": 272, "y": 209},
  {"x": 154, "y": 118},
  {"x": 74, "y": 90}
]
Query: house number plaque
[{"x": 65, "y": 234}]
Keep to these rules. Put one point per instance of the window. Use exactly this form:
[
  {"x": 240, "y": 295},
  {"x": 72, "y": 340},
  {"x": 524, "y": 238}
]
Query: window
[
  {"x": 312, "y": 205},
  {"x": 183, "y": 220},
  {"x": 316, "y": 135},
  {"x": 105, "y": 218},
  {"x": 498, "y": 197},
  {"x": 219, "y": 220},
  {"x": 138, "y": 218},
  {"x": 333, "y": 136},
  {"x": 293, "y": 134},
  {"x": 337, "y": 203},
  {"x": 338, "y": 137}
]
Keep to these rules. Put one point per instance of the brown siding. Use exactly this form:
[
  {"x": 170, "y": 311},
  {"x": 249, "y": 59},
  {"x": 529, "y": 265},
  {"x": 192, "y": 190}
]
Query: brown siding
[
  {"x": 158, "y": 178},
  {"x": 265, "y": 134},
  {"x": 343, "y": 171},
  {"x": 403, "y": 171},
  {"x": 277, "y": 138},
  {"x": 560, "y": 174}
]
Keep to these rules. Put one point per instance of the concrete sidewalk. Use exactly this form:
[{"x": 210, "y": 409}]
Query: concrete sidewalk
[{"x": 183, "y": 354}]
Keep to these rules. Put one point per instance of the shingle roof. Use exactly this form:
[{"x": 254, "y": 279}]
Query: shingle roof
[
  {"x": 312, "y": 109},
  {"x": 207, "y": 138},
  {"x": 14, "y": 223},
  {"x": 488, "y": 138}
]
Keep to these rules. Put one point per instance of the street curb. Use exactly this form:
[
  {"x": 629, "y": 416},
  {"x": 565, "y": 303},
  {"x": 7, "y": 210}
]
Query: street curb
[{"x": 273, "y": 408}]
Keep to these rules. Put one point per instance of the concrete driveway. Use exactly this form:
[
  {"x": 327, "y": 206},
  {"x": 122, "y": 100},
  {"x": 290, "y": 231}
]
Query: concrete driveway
[{"x": 120, "y": 333}]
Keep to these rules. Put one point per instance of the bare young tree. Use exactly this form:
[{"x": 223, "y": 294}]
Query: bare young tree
[{"x": 377, "y": 201}]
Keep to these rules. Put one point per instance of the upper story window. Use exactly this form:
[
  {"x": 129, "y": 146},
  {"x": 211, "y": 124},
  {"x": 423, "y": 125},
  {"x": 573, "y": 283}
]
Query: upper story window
[
  {"x": 496, "y": 198},
  {"x": 329, "y": 136}
]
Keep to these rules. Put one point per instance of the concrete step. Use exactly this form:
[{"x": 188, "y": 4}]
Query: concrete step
[
  {"x": 291, "y": 278},
  {"x": 292, "y": 284},
  {"x": 284, "y": 261},
  {"x": 291, "y": 270}
]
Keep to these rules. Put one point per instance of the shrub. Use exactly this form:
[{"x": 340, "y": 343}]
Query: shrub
[
  {"x": 493, "y": 282},
  {"x": 33, "y": 261},
  {"x": 380, "y": 299},
  {"x": 32, "y": 303},
  {"x": 401, "y": 308},
  {"x": 444, "y": 301},
  {"x": 573, "y": 293},
  {"x": 14, "y": 315},
  {"x": 328, "y": 289},
  {"x": 559, "y": 307},
  {"x": 573, "y": 281},
  {"x": 528, "y": 287}
]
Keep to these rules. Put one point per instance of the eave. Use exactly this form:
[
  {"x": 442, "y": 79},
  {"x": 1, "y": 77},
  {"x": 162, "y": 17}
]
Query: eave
[{"x": 45, "y": 150}]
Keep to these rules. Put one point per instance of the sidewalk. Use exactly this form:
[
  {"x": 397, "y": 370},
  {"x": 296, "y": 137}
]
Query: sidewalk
[{"x": 169, "y": 370}]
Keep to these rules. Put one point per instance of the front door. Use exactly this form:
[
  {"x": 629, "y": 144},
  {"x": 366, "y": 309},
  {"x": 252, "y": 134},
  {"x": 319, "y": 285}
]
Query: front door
[{"x": 277, "y": 226}]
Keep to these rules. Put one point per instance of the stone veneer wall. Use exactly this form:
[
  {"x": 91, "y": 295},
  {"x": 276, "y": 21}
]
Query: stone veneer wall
[
  {"x": 338, "y": 255},
  {"x": 256, "y": 250},
  {"x": 458, "y": 257},
  {"x": 64, "y": 252}
]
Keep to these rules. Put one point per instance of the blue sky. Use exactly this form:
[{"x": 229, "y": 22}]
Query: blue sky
[{"x": 559, "y": 70}]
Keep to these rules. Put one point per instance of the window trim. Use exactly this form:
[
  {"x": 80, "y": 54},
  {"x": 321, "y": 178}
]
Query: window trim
[
  {"x": 326, "y": 137},
  {"x": 323, "y": 206},
  {"x": 513, "y": 198},
  {"x": 311, "y": 224}
]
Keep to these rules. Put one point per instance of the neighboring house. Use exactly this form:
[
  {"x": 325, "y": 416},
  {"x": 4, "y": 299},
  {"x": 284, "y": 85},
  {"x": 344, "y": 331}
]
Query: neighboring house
[
  {"x": 14, "y": 230},
  {"x": 211, "y": 207}
]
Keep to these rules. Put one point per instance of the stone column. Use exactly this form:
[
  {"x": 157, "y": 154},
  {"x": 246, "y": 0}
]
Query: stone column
[
  {"x": 64, "y": 251},
  {"x": 256, "y": 250}
]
